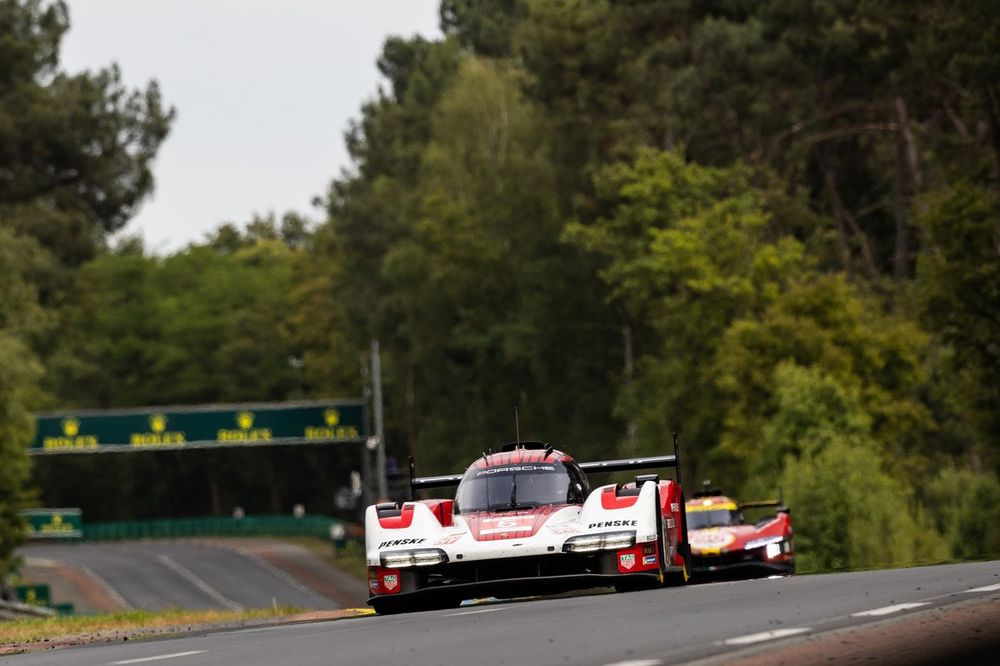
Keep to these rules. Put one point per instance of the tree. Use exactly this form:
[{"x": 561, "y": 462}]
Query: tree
[
  {"x": 686, "y": 250},
  {"x": 824, "y": 323},
  {"x": 958, "y": 290},
  {"x": 21, "y": 320},
  {"x": 76, "y": 149}
]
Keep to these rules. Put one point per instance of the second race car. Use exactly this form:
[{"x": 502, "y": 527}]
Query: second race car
[
  {"x": 525, "y": 521},
  {"x": 725, "y": 545}
]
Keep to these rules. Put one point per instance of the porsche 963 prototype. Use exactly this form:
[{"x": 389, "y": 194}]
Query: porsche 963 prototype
[{"x": 525, "y": 521}]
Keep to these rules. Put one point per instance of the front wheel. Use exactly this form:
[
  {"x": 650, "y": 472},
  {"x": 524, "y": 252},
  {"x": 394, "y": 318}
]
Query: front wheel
[
  {"x": 394, "y": 606},
  {"x": 676, "y": 578},
  {"x": 636, "y": 583}
]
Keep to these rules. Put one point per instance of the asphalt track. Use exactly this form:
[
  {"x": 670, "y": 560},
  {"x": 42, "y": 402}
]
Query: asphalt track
[
  {"x": 156, "y": 575},
  {"x": 665, "y": 626}
]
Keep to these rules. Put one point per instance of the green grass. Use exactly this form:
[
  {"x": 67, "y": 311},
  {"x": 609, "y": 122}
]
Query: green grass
[{"x": 40, "y": 629}]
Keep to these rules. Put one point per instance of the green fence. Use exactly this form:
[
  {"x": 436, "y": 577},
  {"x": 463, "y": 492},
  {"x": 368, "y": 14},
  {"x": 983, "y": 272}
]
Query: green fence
[{"x": 313, "y": 526}]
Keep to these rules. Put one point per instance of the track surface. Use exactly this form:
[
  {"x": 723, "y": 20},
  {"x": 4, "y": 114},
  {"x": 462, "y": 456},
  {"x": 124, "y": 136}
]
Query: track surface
[
  {"x": 156, "y": 575},
  {"x": 661, "y": 626}
]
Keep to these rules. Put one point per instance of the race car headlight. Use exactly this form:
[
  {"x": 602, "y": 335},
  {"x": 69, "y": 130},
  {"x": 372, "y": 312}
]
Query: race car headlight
[
  {"x": 772, "y": 546},
  {"x": 422, "y": 557},
  {"x": 588, "y": 543}
]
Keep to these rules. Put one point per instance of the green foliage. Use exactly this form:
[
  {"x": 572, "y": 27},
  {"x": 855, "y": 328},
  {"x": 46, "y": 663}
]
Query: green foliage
[
  {"x": 848, "y": 511},
  {"x": 18, "y": 374},
  {"x": 825, "y": 323},
  {"x": 688, "y": 249},
  {"x": 23, "y": 265},
  {"x": 966, "y": 509},
  {"x": 958, "y": 289},
  {"x": 76, "y": 149}
]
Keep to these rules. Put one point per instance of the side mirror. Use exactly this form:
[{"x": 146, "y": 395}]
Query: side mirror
[{"x": 785, "y": 510}]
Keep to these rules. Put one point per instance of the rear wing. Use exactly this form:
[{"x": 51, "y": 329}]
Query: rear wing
[
  {"x": 777, "y": 504},
  {"x": 651, "y": 462}
]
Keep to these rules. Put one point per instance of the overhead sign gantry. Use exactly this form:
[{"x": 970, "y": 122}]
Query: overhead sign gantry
[{"x": 162, "y": 428}]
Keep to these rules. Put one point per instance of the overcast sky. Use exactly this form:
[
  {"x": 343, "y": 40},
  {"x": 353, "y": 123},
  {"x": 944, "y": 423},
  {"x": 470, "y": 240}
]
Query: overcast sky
[{"x": 264, "y": 90}]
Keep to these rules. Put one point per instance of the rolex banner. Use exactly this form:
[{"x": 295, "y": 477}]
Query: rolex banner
[
  {"x": 53, "y": 523},
  {"x": 154, "y": 428}
]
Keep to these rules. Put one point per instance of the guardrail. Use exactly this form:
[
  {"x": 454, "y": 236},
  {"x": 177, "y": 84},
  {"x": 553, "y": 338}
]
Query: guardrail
[
  {"x": 13, "y": 610},
  {"x": 323, "y": 527}
]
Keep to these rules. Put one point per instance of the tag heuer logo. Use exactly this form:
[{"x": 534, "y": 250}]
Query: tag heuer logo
[
  {"x": 391, "y": 581},
  {"x": 627, "y": 560}
]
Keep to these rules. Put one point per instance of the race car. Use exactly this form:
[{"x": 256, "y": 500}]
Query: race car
[
  {"x": 525, "y": 521},
  {"x": 725, "y": 545}
]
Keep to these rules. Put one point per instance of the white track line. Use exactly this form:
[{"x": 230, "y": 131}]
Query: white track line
[
  {"x": 988, "y": 588},
  {"x": 156, "y": 658},
  {"x": 886, "y": 610},
  {"x": 485, "y": 610},
  {"x": 280, "y": 574},
  {"x": 765, "y": 636},
  {"x": 638, "y": 662},
  {"x": 189, "y": 576},
  {"x": 104, "y": 585}
]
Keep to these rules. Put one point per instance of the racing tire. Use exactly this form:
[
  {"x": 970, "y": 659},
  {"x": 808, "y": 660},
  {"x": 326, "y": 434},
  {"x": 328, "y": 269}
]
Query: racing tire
[
  {"x": 636, "y": 583},
  {"x": 394, "y": 606},
  {"x": 676, "y": 578}
]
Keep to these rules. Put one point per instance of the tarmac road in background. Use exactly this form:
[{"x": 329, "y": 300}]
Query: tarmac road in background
[{"x": 155, "y": 575}]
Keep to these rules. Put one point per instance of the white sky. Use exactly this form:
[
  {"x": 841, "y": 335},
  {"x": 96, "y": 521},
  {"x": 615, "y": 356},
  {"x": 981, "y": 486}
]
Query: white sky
[{"x": 264, "y": 90}]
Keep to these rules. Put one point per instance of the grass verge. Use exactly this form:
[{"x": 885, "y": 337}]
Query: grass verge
[{"x": 34, "y": 630}]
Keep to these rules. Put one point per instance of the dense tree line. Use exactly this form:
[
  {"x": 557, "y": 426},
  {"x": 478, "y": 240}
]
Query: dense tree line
[{"x": 772, "y": 226}]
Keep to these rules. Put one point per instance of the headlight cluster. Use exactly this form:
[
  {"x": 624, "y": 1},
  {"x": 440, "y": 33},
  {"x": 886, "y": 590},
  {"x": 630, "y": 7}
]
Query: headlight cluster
[
  {"x": 588, "y": 543},
  {"x": 773, "y": 546},
  {"x": 422, "y": 557}
]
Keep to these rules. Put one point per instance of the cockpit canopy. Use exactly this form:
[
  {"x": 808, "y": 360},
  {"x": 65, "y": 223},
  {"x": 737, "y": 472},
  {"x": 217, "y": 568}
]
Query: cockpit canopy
[{"x": 521, "y": 485}]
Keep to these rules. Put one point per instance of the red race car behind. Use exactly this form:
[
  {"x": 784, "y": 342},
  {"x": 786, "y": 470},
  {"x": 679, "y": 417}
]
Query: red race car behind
[{"x": 725, "y": 545}]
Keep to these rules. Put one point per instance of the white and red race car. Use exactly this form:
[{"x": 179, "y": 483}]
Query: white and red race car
[{"x": 525, "y": 521}]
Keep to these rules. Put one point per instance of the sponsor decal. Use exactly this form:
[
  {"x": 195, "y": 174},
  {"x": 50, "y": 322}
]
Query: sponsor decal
[
  {"x": 564, "y": 529},
  {"x": 627, "y": 560},
  {"x": 613, "y": 523},
  {"x": 246, "y": 432},
  {"x": 649, "y": 559},
  {"x": 674, "y": 507},
  {"x": 373, "y": 583},
  {"x": 400, "y": 542},
  {"x": 391, "y": 581},
  {"x": 710, "y": 541},
  {"x": 448, "y": 539},
  {"x": 516, "y": 468}
]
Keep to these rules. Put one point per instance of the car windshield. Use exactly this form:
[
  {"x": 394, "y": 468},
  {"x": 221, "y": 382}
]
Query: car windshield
[
  {"x": 517, "y": 486},
  {"x": 713, "y": 518}
]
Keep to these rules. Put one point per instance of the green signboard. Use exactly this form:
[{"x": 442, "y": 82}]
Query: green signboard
[
  {"x": 54, "y": 523},
  {"x": 36, "y": 595},
  {"x": 156, "y": 428}
]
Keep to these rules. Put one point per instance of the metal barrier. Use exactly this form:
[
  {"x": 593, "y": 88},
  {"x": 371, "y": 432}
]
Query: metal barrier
[{"x": 313, "y": 526}]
